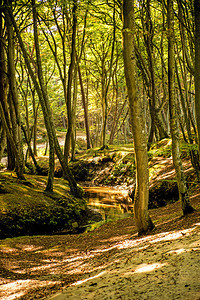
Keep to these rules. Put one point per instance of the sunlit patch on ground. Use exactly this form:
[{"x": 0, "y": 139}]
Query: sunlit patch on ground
[
  {"x": 143, "y": 268},
  {"x": 18, "y": 288},
  {"x": 90, "y": 278}
]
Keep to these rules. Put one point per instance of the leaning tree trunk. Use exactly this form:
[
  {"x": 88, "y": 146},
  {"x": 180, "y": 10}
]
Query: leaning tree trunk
[
  {"x": 142, "y": 218},
  {"x": 182, "y": 187}
]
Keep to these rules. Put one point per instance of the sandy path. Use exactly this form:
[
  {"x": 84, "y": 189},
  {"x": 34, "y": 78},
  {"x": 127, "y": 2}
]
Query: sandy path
[{"x": 162, "y": 266}]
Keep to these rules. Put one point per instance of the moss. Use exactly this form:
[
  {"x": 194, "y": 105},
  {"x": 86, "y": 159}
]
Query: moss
[
  {"x": 161, "y": 148},
  {"x": 26, "y": 210},
  {"x": 163, "y": 192}
]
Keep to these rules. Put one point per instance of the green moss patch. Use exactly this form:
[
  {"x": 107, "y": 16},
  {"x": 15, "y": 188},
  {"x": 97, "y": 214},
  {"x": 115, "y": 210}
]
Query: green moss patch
[{"x": 26, "y": 209}]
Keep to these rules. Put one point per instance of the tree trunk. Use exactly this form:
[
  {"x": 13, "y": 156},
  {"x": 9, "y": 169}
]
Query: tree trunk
[
  {"x": 2, "y": 141},
  {"x": 197, "y": 67},
  {"x": 69, "y": 84},
  {"x": 38, "y": 169},
  {"x": 142, "y": 218},
  {"x": 85, "y": 108},
  {"x": 3, "y": 85},
  {"x": 13, "y": 98},
  {"x": 49, "y": 186},
  {"x": 182, "y": 187},
  {"x": 105, "y": 94}
]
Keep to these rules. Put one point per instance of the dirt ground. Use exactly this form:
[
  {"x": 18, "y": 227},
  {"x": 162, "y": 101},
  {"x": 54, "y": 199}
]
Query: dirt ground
[{"x": 111, "y": 262}]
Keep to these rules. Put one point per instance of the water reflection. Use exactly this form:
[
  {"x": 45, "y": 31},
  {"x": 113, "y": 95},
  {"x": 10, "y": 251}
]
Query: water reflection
[{"x": 111, "y": 203}]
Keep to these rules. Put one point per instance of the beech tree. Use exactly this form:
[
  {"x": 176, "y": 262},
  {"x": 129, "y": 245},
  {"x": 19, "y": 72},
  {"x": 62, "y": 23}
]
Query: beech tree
[
  {"x": 197, "y": 67},
  {"x": 181, "y": 181},
  {"x": 142, "y": 218}
]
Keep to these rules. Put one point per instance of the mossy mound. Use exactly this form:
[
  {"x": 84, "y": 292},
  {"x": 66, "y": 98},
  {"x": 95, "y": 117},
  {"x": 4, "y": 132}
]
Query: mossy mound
[
  {"x": 26, "y": 210},
  {"x": 163, "y": 192}
]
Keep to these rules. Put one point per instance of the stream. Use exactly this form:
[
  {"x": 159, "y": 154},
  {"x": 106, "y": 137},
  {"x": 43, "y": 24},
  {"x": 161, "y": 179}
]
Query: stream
[{"x": 112, "y": 203}]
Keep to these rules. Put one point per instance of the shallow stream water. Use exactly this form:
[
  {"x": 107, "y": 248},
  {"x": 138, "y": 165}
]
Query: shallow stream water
[{"x": 112, "y": 203}]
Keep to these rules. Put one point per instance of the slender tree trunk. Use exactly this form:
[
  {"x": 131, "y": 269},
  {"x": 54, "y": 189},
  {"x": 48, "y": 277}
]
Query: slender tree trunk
[
  {"x": 13, "y": 97},
  {"x": 3, "y": 84},
  {"x": 11, "y": 141},
  {"x": 105, "y": 96},
  {"x": 149, "y": 46},
  {"x": 142, "y": 218},
  {"x": 182, "y": 187},
  {"x": 197, "y": 67},
  {"x": 85, "y": 108},
  {"x": 35, "y": 116},
  {"x": 73, "y": 135},
  {"x": 69, "y": 84},
  {"x": 2, "y": 142},
  {"x": 38, "y": 169},
  {"x": 49, "y": 186}
]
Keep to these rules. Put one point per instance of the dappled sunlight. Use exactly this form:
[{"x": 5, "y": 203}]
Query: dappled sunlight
[
  {"x": 30, "y": 248},
  {"x": 7, "y": 249},
  {"x": 90, "y": 278},
  {"x": 68, "y": 263},
  {"x": 42, "y": 267},
  {"x": 143, "y": 268},
  {"x": 55, "y": 251},
  {"x": 168, "y": 236},
  {"x": 151, "y": 239},
  {"x": 15, "y": 296},
  {"x": 18, "y": 288},
  {"x": 177, "y": 251}
]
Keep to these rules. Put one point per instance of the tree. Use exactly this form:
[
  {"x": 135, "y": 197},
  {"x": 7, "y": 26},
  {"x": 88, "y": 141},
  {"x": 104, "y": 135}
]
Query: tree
[
  {"x": 9, "y": 104},
  {"x": 44, "y": 101},
  {"x": 181, "y": 182},
  {"x": 142, "y": 218},
  {"x": 197, "y": 67}
]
